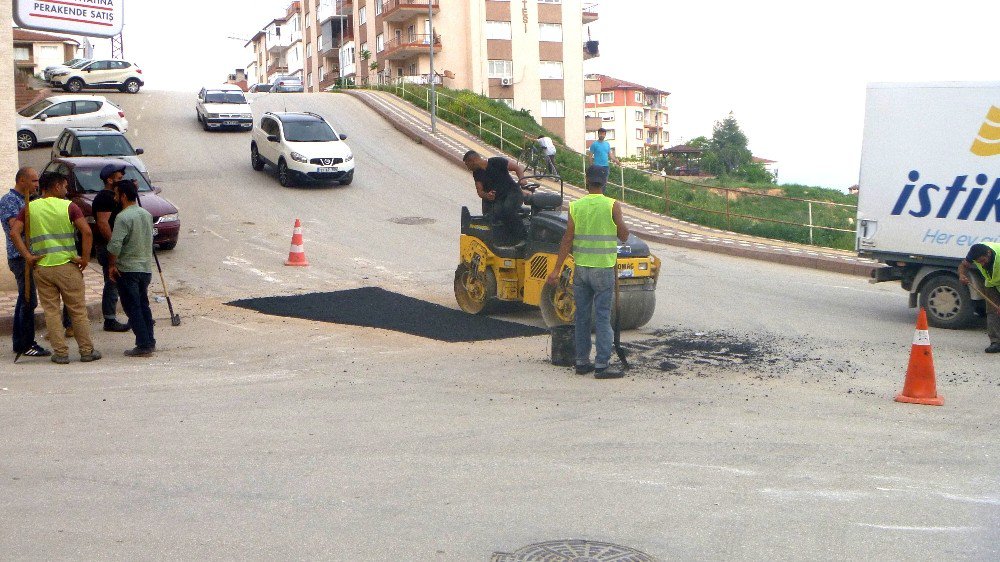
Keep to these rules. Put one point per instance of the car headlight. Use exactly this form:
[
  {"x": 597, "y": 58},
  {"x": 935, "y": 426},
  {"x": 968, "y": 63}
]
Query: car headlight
[
  {"x": 298, "y": 158},
  {"x": 349, "y": 158},
  {"x": 213, "y": 115},
  {"x": 643, "y": 266},
  {"x": 172, "y": 217}
]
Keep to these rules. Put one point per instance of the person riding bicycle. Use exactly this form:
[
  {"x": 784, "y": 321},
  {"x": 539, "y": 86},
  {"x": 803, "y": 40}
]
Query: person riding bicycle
[{"x": 549, "y": 151}]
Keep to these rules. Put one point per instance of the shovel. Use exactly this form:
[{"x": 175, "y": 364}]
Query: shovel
[{"x": 618, "y": 324}]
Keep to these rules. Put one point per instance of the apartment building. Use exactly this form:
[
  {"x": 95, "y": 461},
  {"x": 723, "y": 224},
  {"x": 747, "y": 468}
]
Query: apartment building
[
  {"x": 634, "y": 115},
  {"x": 277, "y": 48},
  {"x": 33, "y": 50},
  {"x": 528, "y": 54}
]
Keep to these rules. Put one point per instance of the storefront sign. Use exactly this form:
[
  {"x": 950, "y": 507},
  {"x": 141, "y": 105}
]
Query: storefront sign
[{"x": 93, "y": 18}]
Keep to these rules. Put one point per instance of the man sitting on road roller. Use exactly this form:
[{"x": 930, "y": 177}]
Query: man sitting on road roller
[
  {"x": 595, "y": 226},
  {"x": 502, "y": 196}
]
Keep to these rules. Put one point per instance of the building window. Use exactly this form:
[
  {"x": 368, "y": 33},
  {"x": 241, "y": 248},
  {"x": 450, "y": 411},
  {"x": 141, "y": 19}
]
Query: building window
[
  {"x": 498, "y": 30},
  {"x": 378, "y": 7},
  {"x": 590, "y": 99},
  {"x": 509, "y": 102},
  {"x": 638, "y": 97},
  {"x": 362, "y": 15},
  {"x": 413, "y": 69},
  {"x": 610, "y": 135},
  {"x": 550, "y": 70},
  {"x": 22, "y": 53},
  {"x": 606, "y": 97},
  {"x": 309, "y": 49},
  {"x": 638, "y": 134},
  {"x": 501, "y": 69},
  {"x": 364, "y": 46},
  {"x": 638, "y": 116},
  {"x": 553, "y": 108},
  {"x": 550, "y": 32},
  {"x": 379, "y": 43},
  {"x": 607, "y": 116}
]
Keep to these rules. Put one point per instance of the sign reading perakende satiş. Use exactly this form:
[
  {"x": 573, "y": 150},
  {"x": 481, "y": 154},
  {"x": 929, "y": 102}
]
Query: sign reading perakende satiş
[{"x": 94, "y": 18}]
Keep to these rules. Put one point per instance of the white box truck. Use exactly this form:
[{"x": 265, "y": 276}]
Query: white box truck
[{"x": 930, "y": 189}]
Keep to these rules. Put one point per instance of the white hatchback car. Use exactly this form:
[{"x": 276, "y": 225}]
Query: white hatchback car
[
  {"x": 301, "y": 146},
  {"x": 44, "y": 120}
]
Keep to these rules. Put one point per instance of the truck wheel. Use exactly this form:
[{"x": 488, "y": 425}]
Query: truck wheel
[
  {"x": 558, "y": 308},
  {"x": 637, "y": 308},
  {"x": 475, "y": 294},
  {"x": 947, "y": 302}
]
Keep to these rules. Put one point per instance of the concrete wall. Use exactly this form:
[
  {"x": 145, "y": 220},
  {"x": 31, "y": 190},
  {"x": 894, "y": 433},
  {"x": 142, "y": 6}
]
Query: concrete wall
[{"x": 8, "y": 123}]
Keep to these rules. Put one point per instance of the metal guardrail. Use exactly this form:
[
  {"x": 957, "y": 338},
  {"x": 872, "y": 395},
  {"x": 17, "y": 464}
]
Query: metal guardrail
[{"x": 419, "y": 93}]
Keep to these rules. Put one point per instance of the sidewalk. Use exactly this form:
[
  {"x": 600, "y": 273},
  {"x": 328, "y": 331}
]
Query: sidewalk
[
  {"x": 452, "y": 143},
  {"x": 94, "y": 281}
]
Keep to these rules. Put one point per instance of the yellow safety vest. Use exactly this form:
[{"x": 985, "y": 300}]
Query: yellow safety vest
[
  {"x": 52, "y": 234},
  {"x": 595, "y": 236},
  {"x": 993, "y": 278}
]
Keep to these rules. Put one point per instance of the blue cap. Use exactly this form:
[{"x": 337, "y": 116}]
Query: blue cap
[{"x": 111, "y": 169}]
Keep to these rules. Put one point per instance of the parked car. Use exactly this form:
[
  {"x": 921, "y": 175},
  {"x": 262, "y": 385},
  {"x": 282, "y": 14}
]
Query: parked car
[
  {"x": 103, "y": 73},
  {"x": 301, "y": 146},
  {"x": 44, "y": 120},
  {"x": 223, "y": 106},
  {"x": 260, "y": 88},
  {"x": 84, "y": 141},
  {"x": 85, "y": 183},
  {"x": 72, "y": 63},
  {"x": 286, "y": 84}
]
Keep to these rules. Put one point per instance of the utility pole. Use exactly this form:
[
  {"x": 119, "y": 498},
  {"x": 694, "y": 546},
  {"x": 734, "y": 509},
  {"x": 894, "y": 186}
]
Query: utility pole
[{"x": 430, "y": 25}]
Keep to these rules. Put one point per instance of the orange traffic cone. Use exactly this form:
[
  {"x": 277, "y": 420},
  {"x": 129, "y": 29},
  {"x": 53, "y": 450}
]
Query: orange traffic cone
[
  {"x": 919, "y": 387},
  {"x": 296, "y": 254}
]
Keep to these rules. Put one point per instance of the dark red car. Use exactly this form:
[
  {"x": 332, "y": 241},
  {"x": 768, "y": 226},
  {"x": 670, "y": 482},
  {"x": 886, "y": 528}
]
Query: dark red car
[{"x": 85, "y": 183}]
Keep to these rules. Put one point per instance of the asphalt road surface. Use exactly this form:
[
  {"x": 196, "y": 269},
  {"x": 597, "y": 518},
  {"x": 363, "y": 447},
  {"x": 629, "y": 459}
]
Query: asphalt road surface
[{"x": 758, "y": 424}]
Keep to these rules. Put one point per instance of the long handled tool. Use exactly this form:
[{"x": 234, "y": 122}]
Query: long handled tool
[
  {"x": 618, "y": 324},
  {"x": 988, "y": 300},
  {"x": 175, "y": 320}
]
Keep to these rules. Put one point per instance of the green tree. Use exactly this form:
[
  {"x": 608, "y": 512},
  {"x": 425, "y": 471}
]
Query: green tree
[
  {"x": 698, "y": 142},
  {"x": 727, "y": 151}
]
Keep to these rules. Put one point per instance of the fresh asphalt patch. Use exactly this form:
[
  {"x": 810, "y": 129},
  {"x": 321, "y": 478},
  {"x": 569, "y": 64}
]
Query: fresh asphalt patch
[{"x": 373, "y": 307}]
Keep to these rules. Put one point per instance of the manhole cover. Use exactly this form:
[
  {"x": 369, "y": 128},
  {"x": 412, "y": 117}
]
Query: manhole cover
[
  {"x": 412, "y": 220},
  {"x": 573, "y": 551}
]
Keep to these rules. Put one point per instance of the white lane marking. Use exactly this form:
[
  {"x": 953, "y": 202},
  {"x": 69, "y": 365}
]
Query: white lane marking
[
  {"x": 833, "y": 495},
  {"x": 920, "y": 529},
  {"x": 986, "y": 500},
  {"x": 248, "y": 267},
  {"x": 730, "y": 469},
  {"x": 216, "y": 234},
  {"x": 238, "y": 327}
]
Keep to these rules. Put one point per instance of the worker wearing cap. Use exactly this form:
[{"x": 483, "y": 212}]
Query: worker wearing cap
[
  {"x": 57, "y": 269},
  {"x": 985, "y": 279},
  {"x": 595, "y": 226},
  {"x": 106, "y": 209}
]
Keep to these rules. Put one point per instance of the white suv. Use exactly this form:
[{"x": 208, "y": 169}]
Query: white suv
[
  {"x": 301, "y": 146},
  {"x": 44, "y": 120},
  {"x": 121, "y": 75}
]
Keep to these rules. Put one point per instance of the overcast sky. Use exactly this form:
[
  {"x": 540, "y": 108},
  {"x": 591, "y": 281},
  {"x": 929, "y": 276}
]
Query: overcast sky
[{"x": 793, "y": 72}]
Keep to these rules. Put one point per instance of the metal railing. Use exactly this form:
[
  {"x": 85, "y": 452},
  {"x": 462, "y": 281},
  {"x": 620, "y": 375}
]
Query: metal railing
[{"x": 499, "y": 133}]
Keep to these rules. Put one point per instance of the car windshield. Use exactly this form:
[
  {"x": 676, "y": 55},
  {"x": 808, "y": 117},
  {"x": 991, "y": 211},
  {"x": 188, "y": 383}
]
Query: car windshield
[
  {"x": 309, "y": 131},
  {"x": 224, "y": 97},
  {"x": 89, "y": 179},
  {"x": 34, "y": 108},
  {"x": 102, "y": 145},
  {"x": 73, "y": 62}
]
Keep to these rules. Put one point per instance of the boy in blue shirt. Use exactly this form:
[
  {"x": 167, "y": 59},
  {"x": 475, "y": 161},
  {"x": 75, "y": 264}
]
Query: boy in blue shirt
[{"x": 600, "y": 153}]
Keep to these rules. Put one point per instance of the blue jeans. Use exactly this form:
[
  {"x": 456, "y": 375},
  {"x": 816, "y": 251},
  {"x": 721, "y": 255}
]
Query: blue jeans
[
  {"x": 593, "y": 290},
  {"x": 134, "y": 291},
  {"x": 24, "y": 309},
  {"x": 109, "y": 297}
]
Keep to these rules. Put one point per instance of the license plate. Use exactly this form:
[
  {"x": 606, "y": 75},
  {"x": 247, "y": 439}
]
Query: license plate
[
  {"x": 230, "y": 123},
  {"x": 327, "y": 169},
  {"x": 156, "y": 231}
]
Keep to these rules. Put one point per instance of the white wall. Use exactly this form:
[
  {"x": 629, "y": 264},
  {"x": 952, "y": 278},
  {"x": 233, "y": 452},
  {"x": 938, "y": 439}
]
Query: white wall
[{"x": 8, "y": 123}]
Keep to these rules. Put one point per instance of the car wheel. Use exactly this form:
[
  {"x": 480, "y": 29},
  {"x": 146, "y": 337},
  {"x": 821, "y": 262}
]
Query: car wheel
[
  {"x": 132, "y": 86},
  {"x": 74, "y": 85},
  {"x": 198, "y": 115},
  {"x": 168, "y": 245},
  {"x": 255, "y": 160},
  {"x": 284, "y": 174},
  {"x": 26, "y": 140}
]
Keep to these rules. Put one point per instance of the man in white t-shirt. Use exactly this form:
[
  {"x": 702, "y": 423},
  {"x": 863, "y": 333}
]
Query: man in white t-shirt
[{"x": 549, "y": 149}]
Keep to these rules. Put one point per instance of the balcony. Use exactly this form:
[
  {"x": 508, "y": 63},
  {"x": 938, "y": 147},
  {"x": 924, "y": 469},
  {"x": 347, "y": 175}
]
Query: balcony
[
  {"x": 589, "y": 13},
  {"x": 402, "y": 10},
  {"x": 408, "y": 46},
  {"x": 593, "y": 123},
  {"x": 278, "y": 43},
  {"x": 273, "y": 69},
  {"x": 591, "y": 87}
]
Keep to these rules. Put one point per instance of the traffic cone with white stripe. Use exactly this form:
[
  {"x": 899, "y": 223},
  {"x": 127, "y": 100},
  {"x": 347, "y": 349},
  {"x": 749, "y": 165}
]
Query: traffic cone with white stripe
[
  {"x": 297, "y": 254},
  {"x": 919, "y": 387}
]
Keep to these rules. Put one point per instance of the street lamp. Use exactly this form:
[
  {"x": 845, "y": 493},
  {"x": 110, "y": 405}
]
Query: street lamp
[{"x": 430, "y": 25}]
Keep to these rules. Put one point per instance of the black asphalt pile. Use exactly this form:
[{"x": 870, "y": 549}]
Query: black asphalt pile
[
  {"x": 373, "y": 307},
  {"x": 683, "y": 352}
]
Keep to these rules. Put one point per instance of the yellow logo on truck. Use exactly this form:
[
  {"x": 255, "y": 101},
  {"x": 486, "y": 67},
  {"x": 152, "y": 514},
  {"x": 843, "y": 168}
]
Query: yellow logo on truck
[{"x": 987, "y": 143}]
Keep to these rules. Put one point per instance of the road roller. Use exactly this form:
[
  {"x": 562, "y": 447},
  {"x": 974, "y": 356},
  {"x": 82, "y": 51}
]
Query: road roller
[{"x": 489, "y": 274}]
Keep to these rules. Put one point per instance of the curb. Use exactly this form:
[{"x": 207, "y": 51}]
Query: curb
[
  {"x": 420, "y": 136},
  {"x": 7, "y": 322}
]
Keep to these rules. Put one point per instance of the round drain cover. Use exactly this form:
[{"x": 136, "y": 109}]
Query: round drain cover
[
  {"x": 573, "y": 551},
  {"x": 412, "y": 220}
]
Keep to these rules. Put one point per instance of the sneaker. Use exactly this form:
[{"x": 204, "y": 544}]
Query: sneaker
[
  {"x": 993, "y": 348},
  {"x": 609, "y": 372},
  {"x": 36, "y": 351},
  {"x": 92, "y": 356},
  {"x": 112, "y": 325},
  {"x": 585, "y": 369},
  {"x": 139, "y": 352},
  {"x": 61, "y": 359}
]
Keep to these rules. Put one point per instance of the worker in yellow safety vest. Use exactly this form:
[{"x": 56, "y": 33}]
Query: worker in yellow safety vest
[
  {"x": 986, "y": 281},
  {"x": 592, "y": 234},
  {"x": 52, "y": 222}
]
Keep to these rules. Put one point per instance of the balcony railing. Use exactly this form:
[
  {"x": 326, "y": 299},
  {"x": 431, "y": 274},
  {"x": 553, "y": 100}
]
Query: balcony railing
[
  {"x": 409, "y": 45},
  {"x": 402, "y": 10}
]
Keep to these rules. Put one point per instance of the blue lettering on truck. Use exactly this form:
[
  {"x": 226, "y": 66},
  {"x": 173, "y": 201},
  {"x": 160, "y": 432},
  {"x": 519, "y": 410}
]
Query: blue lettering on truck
[{"x": 925, "y": 206}]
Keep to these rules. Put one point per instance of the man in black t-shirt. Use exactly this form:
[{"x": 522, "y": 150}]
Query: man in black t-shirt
[
  {"x": 106, "y": 208},
  {"x": 502, "y": 196}
]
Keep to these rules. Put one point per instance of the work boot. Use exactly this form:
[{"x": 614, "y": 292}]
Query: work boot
[
  {"x": 993, "y": 348},
  {"x": 585, "y": 369},
  {"x": 92, "y": 356},
  {"x": 609, "y": 372},
  {"x": 60, "y": 359},
  {"x": 113, "y": 325},
  {"x": 139, "y": 352}
]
